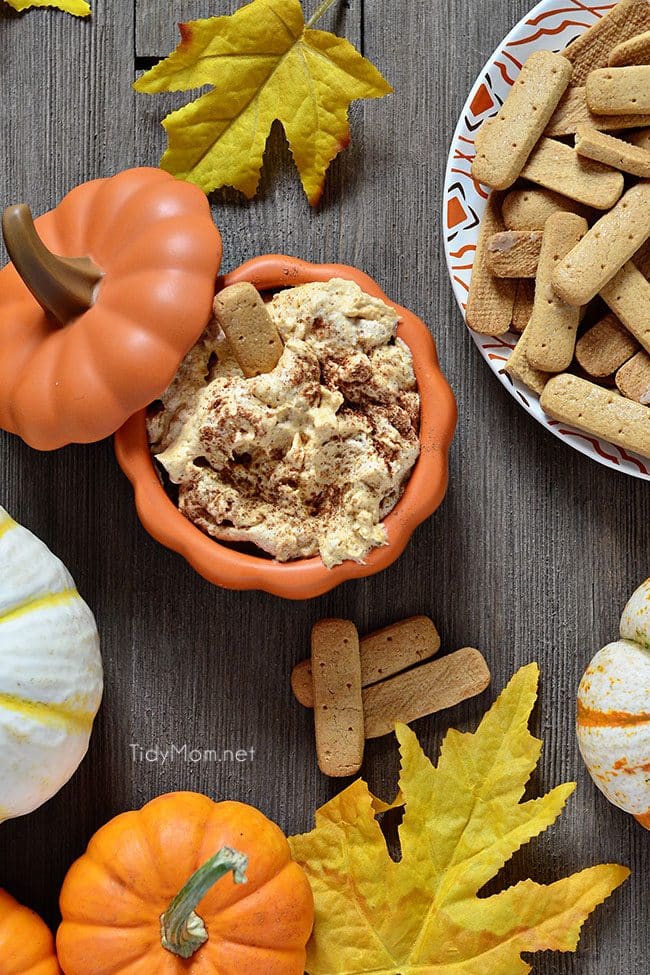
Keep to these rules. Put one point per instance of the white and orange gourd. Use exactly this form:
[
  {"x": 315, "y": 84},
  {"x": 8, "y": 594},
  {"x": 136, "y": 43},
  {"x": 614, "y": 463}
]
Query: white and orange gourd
[
  {"x": 50, "y": 672},
  {"x": 613, "y": 718}
]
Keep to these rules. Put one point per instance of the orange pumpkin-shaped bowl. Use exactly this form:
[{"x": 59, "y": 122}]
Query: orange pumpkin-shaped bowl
[
  {"x": 104, "y": 296},
  {"x": 304, "y": 578},
  {"x": 186, "y": 886},
  {"x": 26, "y": 943}
]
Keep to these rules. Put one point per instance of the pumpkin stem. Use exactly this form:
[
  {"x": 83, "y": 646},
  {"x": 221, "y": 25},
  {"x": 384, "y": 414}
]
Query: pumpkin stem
[
  {"x": 63, "y": 286},
  {"x": 182, "y": 930}
]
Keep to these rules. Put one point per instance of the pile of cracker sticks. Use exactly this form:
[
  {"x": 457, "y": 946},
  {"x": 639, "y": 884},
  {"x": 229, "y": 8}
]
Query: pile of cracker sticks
[
  {"x": 359, "y": 688},
  {"x": 563, "y": 256}
]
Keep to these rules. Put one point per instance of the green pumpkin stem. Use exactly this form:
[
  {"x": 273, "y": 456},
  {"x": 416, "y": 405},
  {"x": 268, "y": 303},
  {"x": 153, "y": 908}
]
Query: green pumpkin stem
[
  {"x": 64, "y": 287},
  {"x": 182, "y": 930}
]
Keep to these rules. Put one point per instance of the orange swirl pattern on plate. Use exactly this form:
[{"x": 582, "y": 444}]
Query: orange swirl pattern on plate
[{"x": 549, "y": 26}]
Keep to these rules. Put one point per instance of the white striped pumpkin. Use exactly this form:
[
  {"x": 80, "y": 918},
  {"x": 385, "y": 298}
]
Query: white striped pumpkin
[
  {"x": 50, "y": 672},
  {"x": 614, "y": 712}
]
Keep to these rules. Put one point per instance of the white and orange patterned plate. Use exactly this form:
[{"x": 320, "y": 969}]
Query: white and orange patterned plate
[{"x": 551, "y": 25}]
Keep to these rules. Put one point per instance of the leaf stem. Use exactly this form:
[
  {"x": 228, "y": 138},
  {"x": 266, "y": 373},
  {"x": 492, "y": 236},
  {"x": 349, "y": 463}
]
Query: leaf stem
[{"x": 319, "y": 12}]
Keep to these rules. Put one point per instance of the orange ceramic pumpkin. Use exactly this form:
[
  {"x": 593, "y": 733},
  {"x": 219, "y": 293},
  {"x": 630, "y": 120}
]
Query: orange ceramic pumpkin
[
  {"x": 104, "y": 297},
  {"x": 26, "y": 943},
  {"x": 304, "y": 578},
  {"x": 186, "y": 886}
]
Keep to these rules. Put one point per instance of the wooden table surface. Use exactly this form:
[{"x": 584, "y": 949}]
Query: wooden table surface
[{"x": 531, "y": 557}]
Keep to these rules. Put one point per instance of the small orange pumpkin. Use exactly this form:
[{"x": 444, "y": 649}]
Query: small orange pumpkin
[
  {"x": 105, "y": 295},
  {"x": 26, "y": 943},
  {"x": 150, "y": 895}
]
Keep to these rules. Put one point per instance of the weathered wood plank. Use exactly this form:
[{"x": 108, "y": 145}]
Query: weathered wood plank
[
  {"x": 66, "y": 115},
  {"x": 532, "y": 555}
]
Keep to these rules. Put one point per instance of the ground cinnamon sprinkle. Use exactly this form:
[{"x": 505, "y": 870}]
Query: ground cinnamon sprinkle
[{"x": 309, "y": 458}]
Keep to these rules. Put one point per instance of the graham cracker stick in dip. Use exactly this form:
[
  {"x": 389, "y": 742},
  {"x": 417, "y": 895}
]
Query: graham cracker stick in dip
[
  {"x": 273, "y": 460},
  {"x": 552, "y": 330},
  {"x": 424, "y": 690},
  {"x": 514, "y": 253},
  {"x": 338, "y": 708},
  {"x": 504, "y": 143},
  {"x": 383, "y": 653},
  {"x": 244, "y": 320}
]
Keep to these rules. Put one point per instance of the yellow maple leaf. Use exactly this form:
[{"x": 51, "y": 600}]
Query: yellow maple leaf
[
  {"x": 463, "y": 820},
  {"x": 264, "y": 65},
  {"x": 78, "y": 8}
]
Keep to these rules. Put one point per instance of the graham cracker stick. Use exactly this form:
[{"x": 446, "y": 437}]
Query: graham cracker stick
[
  {"x": 605, "y": 347},
  {"x": 520, "y": 368},
  {"x": 302, "y": 683},
  {"x": 252, "y": 336},
  {"x": 504, "y": 143},
  {"x": 607, "y": 246},
  {"x": 396, "y": 647},
  {"x": 573, "y": 111},
  {"x": 642, "y": 259},
  {"x": 598, "y": 411},
  {"x": 633, "y": 378},
  {"x": 616, "y": 91},
  {"x": 612, "y": 151},
  {"x": 424, "y": 690},
  {"x": 383, "y": 653},
  {"x": 636, "y": 50},
  {"x": 592, "y": 49},
  {"x": 514, "y": 253},
  {"x": 628, "y": 296},
  {"x": 530, "y": 208},
  {"x": 338, "y": 707},
  {"x": 641, "y": 138},
  {"x": 560, "y": 168},
  {"x": 523, "y": 307},
  {"x": 552, "y": 330},
  {"x": 490, "y": 299}
]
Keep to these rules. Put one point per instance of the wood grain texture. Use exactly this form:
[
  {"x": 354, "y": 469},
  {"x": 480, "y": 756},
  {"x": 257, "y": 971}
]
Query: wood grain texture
[{"x": 532, "y": 555}]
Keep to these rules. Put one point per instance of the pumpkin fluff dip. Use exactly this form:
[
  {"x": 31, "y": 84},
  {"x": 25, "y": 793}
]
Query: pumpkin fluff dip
[{"x": 308, "y": 452}]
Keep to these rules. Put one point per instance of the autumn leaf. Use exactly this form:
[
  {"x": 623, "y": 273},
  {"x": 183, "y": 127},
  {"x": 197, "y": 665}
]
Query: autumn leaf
[
  {"x": 463, "y": 820},
  {"x": 264, "y": 65},
  {"x": 78, "y": 8}
]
